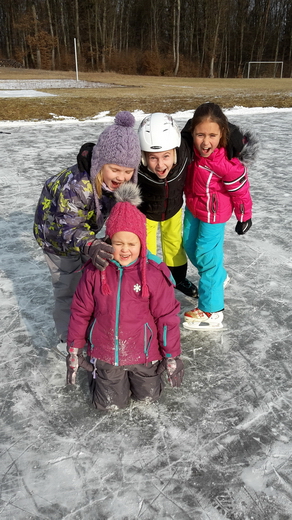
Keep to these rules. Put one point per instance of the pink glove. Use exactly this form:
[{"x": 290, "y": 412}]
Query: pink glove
[
  {"x": 74, "y": 360},
  {"x": 174, "y": 368}
]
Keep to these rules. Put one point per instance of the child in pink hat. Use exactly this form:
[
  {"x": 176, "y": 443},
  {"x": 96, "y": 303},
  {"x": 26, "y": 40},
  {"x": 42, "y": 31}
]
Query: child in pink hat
[
  {"x": 73, "y": 207},
  {"x": 127, "y": 315}
]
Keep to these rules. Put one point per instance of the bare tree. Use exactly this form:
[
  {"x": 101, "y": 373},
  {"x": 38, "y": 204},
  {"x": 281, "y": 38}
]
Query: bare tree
[
  {"x": 216, "y": 37},
  {"x": 176, "y": 35},
  {"x": 36, "y": 31},
  {"x": 52, "y": 33}
]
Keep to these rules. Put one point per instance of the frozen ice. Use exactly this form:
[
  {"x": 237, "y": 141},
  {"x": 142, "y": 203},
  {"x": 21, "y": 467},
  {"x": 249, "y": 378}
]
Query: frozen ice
[
  {"x": 220, "y": 447},
  {"x": 19, "y": 88}
]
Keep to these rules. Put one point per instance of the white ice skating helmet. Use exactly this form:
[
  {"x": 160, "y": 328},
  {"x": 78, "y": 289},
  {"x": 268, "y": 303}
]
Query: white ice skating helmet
[{"x": 157, "y": 133}]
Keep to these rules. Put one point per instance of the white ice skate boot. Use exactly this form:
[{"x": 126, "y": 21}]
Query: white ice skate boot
[
  {"x": 61, "y": 348},
  {"x": 226, "y": 281},
  {"x": 200, "y": 320}
]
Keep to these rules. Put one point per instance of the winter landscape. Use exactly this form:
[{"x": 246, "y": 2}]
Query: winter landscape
[{"x": 220, "y": 447}]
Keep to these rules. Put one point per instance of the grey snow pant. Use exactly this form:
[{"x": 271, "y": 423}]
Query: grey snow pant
[
  {"x": 112, "y": 387},
  {"x": 65, "y": 272}
]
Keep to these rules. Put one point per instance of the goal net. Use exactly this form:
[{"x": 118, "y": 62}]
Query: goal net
[{"x": 265, "y": 69}]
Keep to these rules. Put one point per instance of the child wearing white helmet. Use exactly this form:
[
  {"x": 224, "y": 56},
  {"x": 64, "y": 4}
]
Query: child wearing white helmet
[{"x": 161, "y": 177}]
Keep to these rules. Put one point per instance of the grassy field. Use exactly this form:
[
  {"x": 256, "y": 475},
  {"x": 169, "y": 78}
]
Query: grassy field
[{"x": 147, "y": 93}]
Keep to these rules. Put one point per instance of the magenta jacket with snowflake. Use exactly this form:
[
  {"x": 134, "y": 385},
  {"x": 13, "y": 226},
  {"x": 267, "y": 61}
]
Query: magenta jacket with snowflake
[
  {"x": 217, "y": 186},
  {"x": 123, "y": 328}
]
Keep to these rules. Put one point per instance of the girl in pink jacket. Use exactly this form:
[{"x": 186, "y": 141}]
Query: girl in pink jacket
[
  {"x": 215, "y": 187},
  {"x": 127, "y": 315}
]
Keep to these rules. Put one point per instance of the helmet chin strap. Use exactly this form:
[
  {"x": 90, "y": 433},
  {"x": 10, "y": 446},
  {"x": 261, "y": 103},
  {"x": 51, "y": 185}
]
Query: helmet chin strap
[{"x": 144, "y": 161}]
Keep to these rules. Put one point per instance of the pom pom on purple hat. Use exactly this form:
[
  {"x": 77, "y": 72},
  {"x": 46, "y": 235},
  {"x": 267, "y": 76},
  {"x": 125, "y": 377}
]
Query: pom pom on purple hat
[{"x": 125, "y": 119}]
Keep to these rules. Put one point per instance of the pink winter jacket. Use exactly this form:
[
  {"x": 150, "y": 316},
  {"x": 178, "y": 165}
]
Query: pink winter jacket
[
  {"x": 217, "y": 186},
  {"x": 123, "y": 328}
]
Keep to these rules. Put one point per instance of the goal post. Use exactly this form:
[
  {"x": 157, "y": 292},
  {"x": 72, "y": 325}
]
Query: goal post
[{"x": 258, "y": 63}]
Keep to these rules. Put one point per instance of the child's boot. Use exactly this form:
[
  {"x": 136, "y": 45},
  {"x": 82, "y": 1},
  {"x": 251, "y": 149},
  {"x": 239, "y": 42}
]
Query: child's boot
[
  {"x": 188, "y": 288},
  {"x": 61, "y": 348},
  {"x": 182, "y": 283}
]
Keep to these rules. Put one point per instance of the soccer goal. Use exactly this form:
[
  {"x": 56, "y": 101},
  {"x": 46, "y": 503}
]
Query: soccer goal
[{"x": 265, "y": 69}]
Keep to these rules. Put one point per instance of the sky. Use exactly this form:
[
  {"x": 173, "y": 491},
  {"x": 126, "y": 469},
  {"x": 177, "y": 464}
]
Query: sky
[{"x": 219, "y": 447}]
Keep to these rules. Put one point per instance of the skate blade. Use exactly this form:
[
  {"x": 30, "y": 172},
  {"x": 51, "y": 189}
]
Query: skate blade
[
  {"x": 202, "y": 327},
  {"x": 58, "y": 352}
]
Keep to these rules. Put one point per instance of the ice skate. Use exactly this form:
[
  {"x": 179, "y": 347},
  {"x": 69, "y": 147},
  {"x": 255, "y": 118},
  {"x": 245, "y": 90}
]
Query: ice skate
[
  {"x": 199, "y": 320},
  {"x": 61, "y": 348},
  {"x": 226, "y": 281},
  {"x": 202, "y": 326}
]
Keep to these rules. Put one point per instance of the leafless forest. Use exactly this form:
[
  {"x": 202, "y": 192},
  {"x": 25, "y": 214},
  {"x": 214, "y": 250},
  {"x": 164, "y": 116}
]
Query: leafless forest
[{"x": 199, "y": 38}]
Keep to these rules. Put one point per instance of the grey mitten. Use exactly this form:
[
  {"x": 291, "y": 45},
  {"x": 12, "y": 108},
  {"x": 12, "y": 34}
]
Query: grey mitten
[
  {"x": 74, "y": 360},
  {"x": 242, "y": 227},
  {"x": 100, "y": 252},
  {"x": 174, "y": 368}
]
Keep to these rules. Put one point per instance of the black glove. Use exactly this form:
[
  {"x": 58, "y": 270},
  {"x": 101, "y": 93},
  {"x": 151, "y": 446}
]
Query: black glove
[
  {"x": 174, "y": 368},
  {"x": 100, "y": 252},
  {"x": 74, "y": 360},
  {"x": 242, "y": 227},
  {"x": 84, "y": 157}
]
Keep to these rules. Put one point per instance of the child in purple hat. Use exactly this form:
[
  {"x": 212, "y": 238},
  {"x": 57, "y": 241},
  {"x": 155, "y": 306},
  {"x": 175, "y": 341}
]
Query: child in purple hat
[
  {"x": 127, "y": 314},
  {"x": 74, "y": 205}
]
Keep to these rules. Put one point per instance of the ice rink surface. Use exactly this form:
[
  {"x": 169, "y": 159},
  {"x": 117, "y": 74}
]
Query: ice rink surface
[{"x": 220, "y": 447}]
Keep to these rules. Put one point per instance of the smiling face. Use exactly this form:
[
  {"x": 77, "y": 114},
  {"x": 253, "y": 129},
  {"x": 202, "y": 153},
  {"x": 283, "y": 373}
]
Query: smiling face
[
  {"x": 206, "y": 137},
  {"x": 113, "y": 175},
  {"x": 127, "y": 247},
  {"x": 160, "y": 163}
]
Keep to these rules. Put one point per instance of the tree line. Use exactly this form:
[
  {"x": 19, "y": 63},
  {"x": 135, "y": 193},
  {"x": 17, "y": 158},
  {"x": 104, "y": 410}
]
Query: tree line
[{"x": 203, "y": 38}]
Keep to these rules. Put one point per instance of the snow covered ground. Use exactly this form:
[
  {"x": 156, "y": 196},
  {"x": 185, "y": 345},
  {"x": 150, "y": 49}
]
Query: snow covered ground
[
  {"x": 25, "y": 88},
  {"x": 221, "y": 445}
]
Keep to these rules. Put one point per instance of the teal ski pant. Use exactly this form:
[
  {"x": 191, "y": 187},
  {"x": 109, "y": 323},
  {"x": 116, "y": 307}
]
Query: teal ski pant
[{"x": 203, "y": 244}]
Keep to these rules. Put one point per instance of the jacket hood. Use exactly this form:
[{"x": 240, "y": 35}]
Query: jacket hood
[{"x": 250, "y": 150}]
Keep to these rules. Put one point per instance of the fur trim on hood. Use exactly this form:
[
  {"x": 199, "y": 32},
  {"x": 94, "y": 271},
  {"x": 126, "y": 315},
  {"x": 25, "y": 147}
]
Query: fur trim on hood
[{"x": 250, "y": 149}]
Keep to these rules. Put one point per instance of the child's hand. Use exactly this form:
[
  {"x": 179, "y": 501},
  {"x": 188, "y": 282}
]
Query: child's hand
[
  {"x": 72, "y": 365},
  {"x": 174, "y": 368},
  {"x": 100, "y": 253},
  {"x": 242, "y": 227},
  {"x": 74, "y": 360}
]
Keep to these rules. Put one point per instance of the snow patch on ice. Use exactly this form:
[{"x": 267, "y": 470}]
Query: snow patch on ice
[{"x": 23, "y": 93}]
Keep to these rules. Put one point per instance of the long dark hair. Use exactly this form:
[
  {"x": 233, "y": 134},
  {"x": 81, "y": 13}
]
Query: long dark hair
[{"x": 214, "y": 113}]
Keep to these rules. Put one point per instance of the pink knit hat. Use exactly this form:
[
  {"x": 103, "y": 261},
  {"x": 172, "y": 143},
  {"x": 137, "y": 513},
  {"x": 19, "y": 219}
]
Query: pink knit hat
[{"x": 126, "y": 217}]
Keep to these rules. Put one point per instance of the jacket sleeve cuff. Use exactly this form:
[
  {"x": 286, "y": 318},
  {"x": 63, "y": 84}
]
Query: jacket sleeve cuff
[{"x": 77, "y": 343}]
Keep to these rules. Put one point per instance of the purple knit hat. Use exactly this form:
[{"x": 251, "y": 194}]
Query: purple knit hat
[
  {"x": 117, "y": 144},
  {"x": 125, "y": 216}
]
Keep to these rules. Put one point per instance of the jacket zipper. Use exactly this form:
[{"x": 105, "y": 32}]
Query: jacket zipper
[
  {"x": 165, "y": 336},
  {"x": 214, "y": 206},
  {"x": 147, "y": 341},
  {"x": 90, "y": 334},
  {"x": 165, "y": 201},
  {"x": 118, "y": 305}
]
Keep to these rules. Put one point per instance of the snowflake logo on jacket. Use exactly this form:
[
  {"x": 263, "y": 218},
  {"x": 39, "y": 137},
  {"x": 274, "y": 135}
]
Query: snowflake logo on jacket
[{"x": 137, "y": 287}]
